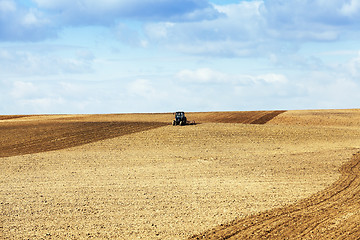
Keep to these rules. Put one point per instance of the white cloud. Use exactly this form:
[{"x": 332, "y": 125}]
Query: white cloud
[
  {"x": 296, "y": 61},
  {"x": 244, "y": 56},
  {"x": 108, "y": 11},
  {"x": 33, "y": 18},
  {"x": 236, "y": 33},
  {"x": 23, "y": 90},
  {"x": 202, "y": 75},
  {"x": 337, "y": 92},
  {"x": 23, "y": 62},
  {"x": 7, "y": 6},
  {"x": 45, "y": 18},
  {"x": 159, "y": 31},
  {"x": 243, "y": 29},
  {"x": 129, "y": 36},
  {"x": 208, "y": 89},
  {"x": 353, "y": 67},
  {"x": 41, "y": 105},
  {"x": 258, "y": 28},
  {"x": 317, "y": 20},
  {"x": 210, "y": 76},
  {"x": 202, "y": 89},
  {"x": 351, "y": 8},
  {"x": 58, "y": 96},
  {"x": 23, "y": 24},
  {"x": 273, "y": 78},
  {"x": 143, "y": 88},
  {"x": 85, "y": 55}
]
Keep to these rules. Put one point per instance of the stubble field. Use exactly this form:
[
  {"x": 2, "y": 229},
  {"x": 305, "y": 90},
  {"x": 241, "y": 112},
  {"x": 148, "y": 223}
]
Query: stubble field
[{"x": 133, "y": 176}]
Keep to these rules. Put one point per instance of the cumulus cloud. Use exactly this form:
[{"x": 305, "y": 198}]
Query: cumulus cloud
[
  {"x": 108, "y": 11},
  {"x": 129, "y": 36},
  {"x": 19, "y": 62},
  {"x": 273, "y": 78},
  {"x": 306, "y": 20},
  {"x": 252, "y": 55},
  {"x": 146, "y": 92},
  {"x": 31, "y": 96},
  {"x": 241, "y": 29},
  {"x": 352, "y": 67},
  {"x": 208, "y": 75},
  {"x": 208, "y": 90},
  {"x": 351, "y": 8},
  {"x": 203, "y": 75},
  {"x": 257, "y": 28},
  {"x": 43, "y": 19},
  {"x": 23, "y": 90},
  {"x": 7, "y": 6},
  {"x": 227, "y": 87},
  {"x": 235, "y": 33},
  {"x": 143, "y": 88},
  {"x": 19, "y": 23}
]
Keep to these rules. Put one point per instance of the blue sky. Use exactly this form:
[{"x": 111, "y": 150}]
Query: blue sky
[{"x": 115, "y": 56}]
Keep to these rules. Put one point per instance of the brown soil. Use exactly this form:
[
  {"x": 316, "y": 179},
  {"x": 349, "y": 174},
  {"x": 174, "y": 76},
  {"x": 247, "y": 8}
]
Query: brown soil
[
  {"x": 35, "y": 134},
  {"x": 139, "y": 177},
  {"x": 325, "y": 118},
  {"x": 247, "y": 117},
  {"x": 330, "y": 214},
  {"x": 34, "y": 137},
  {"x": 6, "y": 117},
  {"x": 252, "y": 117}
]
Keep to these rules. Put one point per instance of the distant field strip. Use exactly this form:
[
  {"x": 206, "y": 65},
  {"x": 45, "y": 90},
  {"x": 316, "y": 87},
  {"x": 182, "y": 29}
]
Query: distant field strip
[
  {"x": 18, "y": 138},
  {"x": 7, "y": 117},
  {"x": 246, "y": 117},
  {"x": 331, "y": 214},
  {"x": 25, "y": 137},
  {"x": 267, "y": 117}
]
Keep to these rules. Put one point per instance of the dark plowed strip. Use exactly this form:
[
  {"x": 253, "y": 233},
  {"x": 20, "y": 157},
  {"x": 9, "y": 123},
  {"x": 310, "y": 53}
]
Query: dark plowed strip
[
  {"x": 331, "y": 214},
  {"x": 246, "y": 117},
  {"x": 267, "y": 117},
  {"x": 7, "y": 117},
  {"x": 26, "y": 138}
]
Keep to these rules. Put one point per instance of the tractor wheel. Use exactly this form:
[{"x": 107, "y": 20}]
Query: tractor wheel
[
  {"x": 181, "y": 123},
  {"x": 174, "y": 123}
]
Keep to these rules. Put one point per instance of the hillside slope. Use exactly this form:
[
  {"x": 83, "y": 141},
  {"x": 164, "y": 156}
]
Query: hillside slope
[
  {"x": 127, "y": 176},
  {"x": 330, "y": 214}
]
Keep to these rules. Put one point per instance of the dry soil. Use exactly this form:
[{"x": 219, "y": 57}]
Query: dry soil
[{"x": 135, "y": 176}]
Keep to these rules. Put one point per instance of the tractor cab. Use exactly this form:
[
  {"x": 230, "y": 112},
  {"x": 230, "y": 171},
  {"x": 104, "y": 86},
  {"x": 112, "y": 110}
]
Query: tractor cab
[{"x": 180, "y": 119}]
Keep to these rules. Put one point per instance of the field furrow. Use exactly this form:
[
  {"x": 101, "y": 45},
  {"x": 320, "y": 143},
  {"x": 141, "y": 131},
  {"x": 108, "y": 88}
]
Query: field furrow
[
  {"x": 312, "y": 218},
  {"x": 27, "y": 137},
  {"x": 236, "y": 175}
]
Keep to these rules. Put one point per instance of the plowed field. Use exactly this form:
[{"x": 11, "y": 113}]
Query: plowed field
[
  {"x": 330, "y": 214},
  {"x": 35, "y": 134},
  {"x": 11, "y": 117},
  {"x": 131, "y": 176},
  {"x": 250, "y": 117},
  {"x": 33, "y": 137}
]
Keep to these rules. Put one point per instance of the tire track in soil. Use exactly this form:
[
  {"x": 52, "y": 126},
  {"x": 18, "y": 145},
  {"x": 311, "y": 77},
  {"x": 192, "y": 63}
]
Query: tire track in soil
[
  {"x": 332, "y": 213},
  {"x": 28, "y": 137}
]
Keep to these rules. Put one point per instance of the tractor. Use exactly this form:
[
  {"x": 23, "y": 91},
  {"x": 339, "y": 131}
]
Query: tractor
[{"x": 181, "y": 120}]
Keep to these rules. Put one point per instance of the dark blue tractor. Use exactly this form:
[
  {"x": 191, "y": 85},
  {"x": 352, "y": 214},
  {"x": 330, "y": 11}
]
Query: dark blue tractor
[{"x": 180, "y": 119}]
